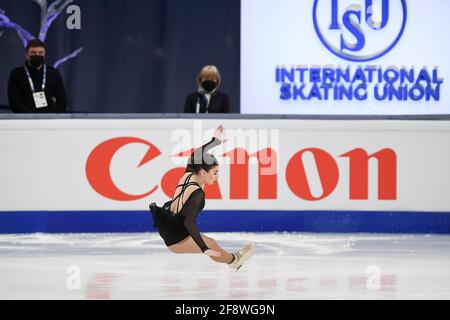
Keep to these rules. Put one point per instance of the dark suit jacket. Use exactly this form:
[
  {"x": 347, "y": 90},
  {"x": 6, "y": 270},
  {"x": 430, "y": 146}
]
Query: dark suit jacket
[
  {"x": 21, "y": 97},
  {"x": 219, "y": 103}
]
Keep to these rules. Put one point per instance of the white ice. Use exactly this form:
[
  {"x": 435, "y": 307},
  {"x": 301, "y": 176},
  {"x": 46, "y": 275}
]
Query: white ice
[{"x": 285, "y": 266}]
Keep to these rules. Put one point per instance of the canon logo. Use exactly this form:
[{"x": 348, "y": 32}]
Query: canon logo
[{"x": 295, "y": 173}]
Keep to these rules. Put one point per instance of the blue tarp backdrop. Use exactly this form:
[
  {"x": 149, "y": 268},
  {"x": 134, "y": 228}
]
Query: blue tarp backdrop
[{"x": 138, "y": 55}]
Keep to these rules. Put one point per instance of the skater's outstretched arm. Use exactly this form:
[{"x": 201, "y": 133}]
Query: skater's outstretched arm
[
  {"x": 216, "y": 140},
  {"x": 197, "y": 155}
]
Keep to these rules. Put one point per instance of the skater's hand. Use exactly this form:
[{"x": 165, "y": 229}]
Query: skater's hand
[
  {"x": 212, "y": 253},
  {"x": 219, "y": 134}
]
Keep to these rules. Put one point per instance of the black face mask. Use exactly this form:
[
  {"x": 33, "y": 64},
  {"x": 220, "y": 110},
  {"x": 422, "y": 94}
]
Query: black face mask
[
  {"x": 36, "y": 61},
  {"x": 209, "y": 85}
]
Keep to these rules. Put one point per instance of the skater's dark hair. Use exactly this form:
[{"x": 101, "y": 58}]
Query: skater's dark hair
[{"x": 198, "y": 161}]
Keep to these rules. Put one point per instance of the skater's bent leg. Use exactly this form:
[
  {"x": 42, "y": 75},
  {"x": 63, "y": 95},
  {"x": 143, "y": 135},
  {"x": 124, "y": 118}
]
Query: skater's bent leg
[{"x": 188, "y": 245}]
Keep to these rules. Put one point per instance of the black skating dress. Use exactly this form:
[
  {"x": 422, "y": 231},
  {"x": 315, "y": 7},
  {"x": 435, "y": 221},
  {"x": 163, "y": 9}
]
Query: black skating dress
[{"x": 175, "y": 227}]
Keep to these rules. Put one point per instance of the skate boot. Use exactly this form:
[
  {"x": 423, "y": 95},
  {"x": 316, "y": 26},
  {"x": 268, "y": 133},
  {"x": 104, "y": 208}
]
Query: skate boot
[{"x": 241, "y": 256}]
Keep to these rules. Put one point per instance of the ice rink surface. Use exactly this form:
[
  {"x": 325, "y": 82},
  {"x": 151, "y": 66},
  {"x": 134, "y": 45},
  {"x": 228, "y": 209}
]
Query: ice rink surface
[{"x": 285, "y": 266}]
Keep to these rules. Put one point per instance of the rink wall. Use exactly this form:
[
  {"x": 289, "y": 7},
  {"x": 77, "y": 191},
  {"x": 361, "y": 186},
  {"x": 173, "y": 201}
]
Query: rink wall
[{"x": 98, "y": 173}]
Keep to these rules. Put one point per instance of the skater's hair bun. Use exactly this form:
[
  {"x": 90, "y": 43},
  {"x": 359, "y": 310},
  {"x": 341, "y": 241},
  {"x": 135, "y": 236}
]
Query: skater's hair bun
[{"x": 197, "y": 162}]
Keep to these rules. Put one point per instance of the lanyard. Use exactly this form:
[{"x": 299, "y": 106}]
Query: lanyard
[
  {"x": 44, "y": 78},
  {"x": 197, "y": 106}
]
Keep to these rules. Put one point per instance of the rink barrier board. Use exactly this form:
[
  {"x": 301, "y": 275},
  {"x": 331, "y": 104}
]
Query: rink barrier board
[
  {"x": 94, "y": 167},
  {"x": 230, "y": 221}
]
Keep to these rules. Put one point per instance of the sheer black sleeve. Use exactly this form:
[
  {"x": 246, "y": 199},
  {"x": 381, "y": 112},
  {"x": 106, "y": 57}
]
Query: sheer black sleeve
[
  {"x": 190, "y": 211},
  {"x": 198, "y": 153},
  {"x": 211, "y": 144}
]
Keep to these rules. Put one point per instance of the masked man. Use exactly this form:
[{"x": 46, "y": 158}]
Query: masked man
[{"x": 36, "y": 87}]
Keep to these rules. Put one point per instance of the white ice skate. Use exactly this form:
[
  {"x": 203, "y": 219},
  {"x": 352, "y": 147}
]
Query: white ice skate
[{"x": 241, "y": 256}]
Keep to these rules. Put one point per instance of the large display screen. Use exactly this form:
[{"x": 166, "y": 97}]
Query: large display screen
[{"x": 345, "y": 57}]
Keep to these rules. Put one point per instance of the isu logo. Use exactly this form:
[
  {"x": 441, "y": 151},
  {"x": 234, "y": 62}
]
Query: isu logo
[
  {"x": 359, "y": 30},
  {"x": 295, "y": 174}
]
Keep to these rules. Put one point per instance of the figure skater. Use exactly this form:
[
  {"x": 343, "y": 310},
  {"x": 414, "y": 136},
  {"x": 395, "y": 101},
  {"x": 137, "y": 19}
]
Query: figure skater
[{"x": 175, "y": 220}]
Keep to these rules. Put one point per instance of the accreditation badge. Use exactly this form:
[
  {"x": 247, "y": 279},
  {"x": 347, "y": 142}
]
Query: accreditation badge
[{"x": 39, "y": 100}]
